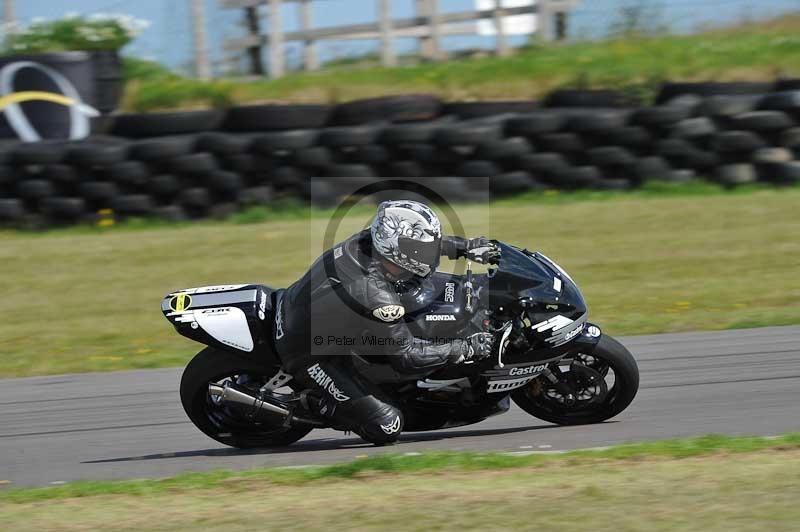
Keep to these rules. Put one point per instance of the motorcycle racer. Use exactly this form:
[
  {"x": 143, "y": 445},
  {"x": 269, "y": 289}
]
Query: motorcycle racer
[{"x": 348, "y": 304}]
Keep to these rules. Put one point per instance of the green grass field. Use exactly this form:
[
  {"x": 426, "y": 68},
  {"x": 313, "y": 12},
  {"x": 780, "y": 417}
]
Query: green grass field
[
  {"x": 89, "y": 300},
  {"x": 757, "y": 51},
  {"x": 712, "y": 483}
]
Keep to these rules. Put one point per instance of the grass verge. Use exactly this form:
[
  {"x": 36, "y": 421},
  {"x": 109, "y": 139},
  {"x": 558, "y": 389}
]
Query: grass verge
[
  {"x": 89, "y": 300},
  {"x": 756, "y": 51},
  {"x": 711, "y": 482}
]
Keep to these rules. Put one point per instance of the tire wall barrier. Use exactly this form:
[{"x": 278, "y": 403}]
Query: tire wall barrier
[{"x": 188, "y": 165}]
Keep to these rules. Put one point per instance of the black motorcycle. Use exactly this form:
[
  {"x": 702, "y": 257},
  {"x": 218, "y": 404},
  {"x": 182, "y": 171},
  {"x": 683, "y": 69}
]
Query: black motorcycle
[{"x": 548, "y": 359}]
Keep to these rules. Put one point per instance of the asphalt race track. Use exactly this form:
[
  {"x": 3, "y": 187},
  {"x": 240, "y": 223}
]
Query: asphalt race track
[{"x": 131, "y": 424}]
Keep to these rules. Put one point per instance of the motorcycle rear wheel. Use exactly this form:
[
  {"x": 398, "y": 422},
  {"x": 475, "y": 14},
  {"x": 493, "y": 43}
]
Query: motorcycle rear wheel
[
  {"x": 593, "y": 400},
  {"x": 218, "y": 421}
]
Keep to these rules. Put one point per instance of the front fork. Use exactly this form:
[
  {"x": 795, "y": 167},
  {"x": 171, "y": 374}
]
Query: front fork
[{"x": 584, "y": 343}]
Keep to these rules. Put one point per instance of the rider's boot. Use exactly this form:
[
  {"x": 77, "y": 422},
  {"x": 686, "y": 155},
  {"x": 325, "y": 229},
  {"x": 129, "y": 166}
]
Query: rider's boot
[{"x": 374, "y": 420}]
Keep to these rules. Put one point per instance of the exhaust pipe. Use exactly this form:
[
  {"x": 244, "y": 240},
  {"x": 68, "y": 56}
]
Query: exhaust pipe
[
  {"x": 228, "y": 394},
  {"x": 257, "y": 407}
]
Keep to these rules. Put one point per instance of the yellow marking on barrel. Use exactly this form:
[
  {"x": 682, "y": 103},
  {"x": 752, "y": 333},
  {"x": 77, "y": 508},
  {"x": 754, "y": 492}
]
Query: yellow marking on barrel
[{"x": 27, "y": 96}]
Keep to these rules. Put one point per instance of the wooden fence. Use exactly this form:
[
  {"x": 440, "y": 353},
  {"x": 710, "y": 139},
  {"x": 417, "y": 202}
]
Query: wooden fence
[{"x": 428, "y": 25}]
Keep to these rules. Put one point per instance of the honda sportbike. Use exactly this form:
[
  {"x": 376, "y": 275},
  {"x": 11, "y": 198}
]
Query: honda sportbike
[{"x": 548, "y": 359}]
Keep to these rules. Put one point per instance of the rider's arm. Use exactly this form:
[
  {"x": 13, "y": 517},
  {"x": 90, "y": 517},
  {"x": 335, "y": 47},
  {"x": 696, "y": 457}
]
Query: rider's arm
[
  {"x": 411, "y": 355},
  {"x": 454, "y": 247},
  {"x": 406, "y": 353},
  {"x": 480, "y": 249}
]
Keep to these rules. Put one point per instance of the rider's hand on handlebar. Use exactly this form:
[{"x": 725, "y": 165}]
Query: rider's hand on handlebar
[
  {"x": 483, "y": 251},
  {"x": 479, "y": 346}
]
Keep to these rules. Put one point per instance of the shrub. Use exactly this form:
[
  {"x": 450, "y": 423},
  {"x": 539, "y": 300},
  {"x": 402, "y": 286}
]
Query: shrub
[
  {"x": 96, "y": 32},
  {"x": 134, "y": 68},
  {"x": 178, "y": 93}
]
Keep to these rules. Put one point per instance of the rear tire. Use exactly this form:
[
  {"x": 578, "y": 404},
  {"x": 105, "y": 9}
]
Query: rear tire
[
  {"x": 534, "y": 400},
  {"x": 216, "y": 421}
]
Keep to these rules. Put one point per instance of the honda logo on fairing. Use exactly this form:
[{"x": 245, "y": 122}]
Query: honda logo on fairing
[
  {"x": 440, "y": 317},
  {"x": 506, "y": 385}
]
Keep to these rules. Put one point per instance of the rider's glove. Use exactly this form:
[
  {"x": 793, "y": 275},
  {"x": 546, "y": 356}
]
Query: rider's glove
[
  {"x": 476, "y": 347},
  {"x": 481, "y": 344},
  {"x": 482, "y": 250}
]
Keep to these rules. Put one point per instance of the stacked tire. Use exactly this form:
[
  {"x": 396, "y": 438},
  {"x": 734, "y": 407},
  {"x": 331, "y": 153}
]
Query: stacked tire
[{"x": 192, "y": 165}]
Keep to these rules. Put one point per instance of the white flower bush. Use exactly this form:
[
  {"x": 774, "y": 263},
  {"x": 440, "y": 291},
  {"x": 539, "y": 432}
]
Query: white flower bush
[{"x": 100, "y": 31}]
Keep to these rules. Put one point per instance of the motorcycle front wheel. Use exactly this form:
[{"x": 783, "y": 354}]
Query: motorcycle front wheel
[
  {"x": 222, "y": 422},
  {"x": 584, "y": 389}
]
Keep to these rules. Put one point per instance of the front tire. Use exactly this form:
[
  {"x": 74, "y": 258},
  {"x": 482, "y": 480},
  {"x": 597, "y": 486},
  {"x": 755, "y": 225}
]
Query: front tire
[
  {"x": 602, "y": 383},
  {"x": 219, "y": 421}
]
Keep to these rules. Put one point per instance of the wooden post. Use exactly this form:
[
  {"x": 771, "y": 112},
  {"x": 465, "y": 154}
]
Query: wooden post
[
  {"x": 545, "y": 21},
  {"x": 435, "y": 30},
  {"x": 9, "y": 19},
  {"x": 275, "y": 39},
  {"x": 561, "y": 23},
  {"x": 310, "y": 61},
  {"x": 430, "y": 43},
  {"x": 388, "y": 59},
  {"x": 422, "y": 11},
  {"x": 254, "y": 52},
  {"x": 501, "y": 43},
  {"x": 202, "y": 65}
]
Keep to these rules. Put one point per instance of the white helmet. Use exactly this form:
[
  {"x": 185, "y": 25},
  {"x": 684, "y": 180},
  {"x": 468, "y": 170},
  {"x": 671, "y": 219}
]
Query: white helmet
[{"x": 408, "y": 234}]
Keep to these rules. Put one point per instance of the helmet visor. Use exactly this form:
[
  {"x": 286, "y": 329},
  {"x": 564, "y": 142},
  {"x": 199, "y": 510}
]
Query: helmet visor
[{"x": 427, "y": 253}]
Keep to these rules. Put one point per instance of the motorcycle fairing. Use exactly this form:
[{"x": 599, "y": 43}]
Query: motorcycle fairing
[
  {"x": 234, "y": 317},
  {"x": 425, "y": 415}
]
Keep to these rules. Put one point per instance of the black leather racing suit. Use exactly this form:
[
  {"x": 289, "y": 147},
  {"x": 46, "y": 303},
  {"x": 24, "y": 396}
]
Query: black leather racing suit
[{"x": 346, "y": 305}]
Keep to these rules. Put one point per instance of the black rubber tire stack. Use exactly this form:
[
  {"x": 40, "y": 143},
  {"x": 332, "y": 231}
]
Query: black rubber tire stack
[{"x": 187, "y": 165}]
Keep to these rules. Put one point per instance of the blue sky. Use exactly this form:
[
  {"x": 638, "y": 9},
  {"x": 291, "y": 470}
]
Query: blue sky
[{"x": 168, "y": 39}]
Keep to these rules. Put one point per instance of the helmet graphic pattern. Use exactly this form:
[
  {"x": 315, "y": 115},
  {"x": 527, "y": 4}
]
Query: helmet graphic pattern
[{"x": 408, "y": 219}]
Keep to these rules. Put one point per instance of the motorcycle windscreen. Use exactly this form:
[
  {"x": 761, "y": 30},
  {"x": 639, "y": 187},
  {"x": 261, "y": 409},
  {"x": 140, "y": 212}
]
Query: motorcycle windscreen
[{"x": 423, "y": 252}]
